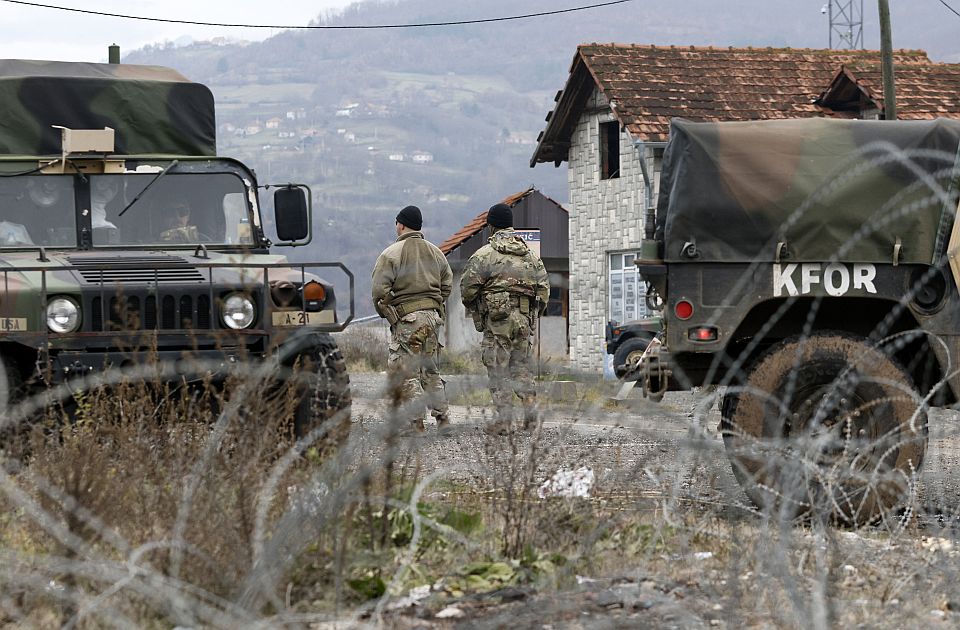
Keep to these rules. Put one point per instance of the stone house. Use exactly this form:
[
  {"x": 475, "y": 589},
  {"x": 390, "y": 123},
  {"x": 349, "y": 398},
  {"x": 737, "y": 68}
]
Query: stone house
[
  {"x": 611, "y": 123},
  {"x": 544, "y": 222}
]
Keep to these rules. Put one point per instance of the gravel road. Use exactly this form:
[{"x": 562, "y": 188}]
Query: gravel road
[
  {"x": 671, "y": 449},
  {"x": 669, "y": 437}
]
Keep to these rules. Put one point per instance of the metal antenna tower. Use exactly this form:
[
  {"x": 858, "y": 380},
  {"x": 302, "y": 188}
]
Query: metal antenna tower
[{"x": 846, "y": 23}]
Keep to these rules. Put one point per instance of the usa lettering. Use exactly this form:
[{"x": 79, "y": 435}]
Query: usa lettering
[{"x": 836, "y": 279}]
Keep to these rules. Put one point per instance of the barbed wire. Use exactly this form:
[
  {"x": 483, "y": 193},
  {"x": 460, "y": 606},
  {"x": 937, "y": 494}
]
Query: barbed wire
[{"x": 943, "y": 2}]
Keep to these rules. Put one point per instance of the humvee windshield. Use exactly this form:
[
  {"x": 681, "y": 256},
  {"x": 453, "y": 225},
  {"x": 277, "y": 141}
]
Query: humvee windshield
[
  {"x": 37, "y": 210},
  {"x": 179, "y": 209}
]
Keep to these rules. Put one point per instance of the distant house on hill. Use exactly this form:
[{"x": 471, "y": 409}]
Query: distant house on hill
[
  {"x": 273, "y": 123},
  {"x": 544, "y": 222},
  {"x": 422, "y": 157},
  {"x": 611, "y": 122},
  {"x": 346, "y": 111}
]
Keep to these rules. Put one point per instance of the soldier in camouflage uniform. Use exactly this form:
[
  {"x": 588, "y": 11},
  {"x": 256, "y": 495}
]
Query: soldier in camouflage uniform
[
  {"x": 505, "y": 289},
  {"x": 411, "y": 281}
]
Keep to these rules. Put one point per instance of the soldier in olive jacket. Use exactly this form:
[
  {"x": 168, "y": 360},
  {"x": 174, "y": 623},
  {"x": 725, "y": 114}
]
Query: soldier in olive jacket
[
  {"x": 505, "y": 288},
  {"x": 411, "y": 281}
]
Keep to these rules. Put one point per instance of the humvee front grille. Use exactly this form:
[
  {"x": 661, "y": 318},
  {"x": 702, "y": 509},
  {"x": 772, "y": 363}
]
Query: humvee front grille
[
  {"x": 122, "y": 307},
  {"x": 135, "y": 269},
  {"x": 186, "y": 312}
]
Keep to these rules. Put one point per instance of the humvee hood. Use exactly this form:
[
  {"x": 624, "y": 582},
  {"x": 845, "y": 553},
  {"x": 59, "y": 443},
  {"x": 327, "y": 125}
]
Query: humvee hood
[{"x": 850, "y": 190}]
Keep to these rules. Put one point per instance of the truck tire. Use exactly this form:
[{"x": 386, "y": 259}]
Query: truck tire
[
  {"x": 627, "y": 354},
  {"x": 11, "y": 394},
  {"x": 11, "y": 383},
  {"x": 324, "y": 392},
  {"x": 826, "y": 424}
]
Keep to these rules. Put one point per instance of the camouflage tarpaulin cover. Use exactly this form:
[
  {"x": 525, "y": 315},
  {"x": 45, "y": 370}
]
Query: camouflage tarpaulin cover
[
  {"x": 847, "y": 189},
  {"x": 152, "y": 109}
]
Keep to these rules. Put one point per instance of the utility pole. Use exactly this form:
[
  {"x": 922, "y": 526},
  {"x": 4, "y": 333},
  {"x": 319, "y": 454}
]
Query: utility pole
[
  {"x": 846, "y": 23},
  {"x": 886, "y": 54}
]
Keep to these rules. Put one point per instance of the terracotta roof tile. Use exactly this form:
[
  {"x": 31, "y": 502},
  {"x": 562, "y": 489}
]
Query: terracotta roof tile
[
  {"x": 923, "y": 91},
  {"x": 652, "y": 84},
  {"x": 475, "y": 226},
  {"x": 460, "y": 236}
]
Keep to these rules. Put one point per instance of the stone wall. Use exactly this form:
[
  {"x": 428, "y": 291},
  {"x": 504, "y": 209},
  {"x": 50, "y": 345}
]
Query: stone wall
[{"x": 606, "y": 216}]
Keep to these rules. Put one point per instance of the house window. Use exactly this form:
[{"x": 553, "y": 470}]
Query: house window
[
  {"x": 557, "y": 305},
  {"x": 657, "y": 159},
  {"x": 609, "y": 150},
  {"x": 627, "y": 290}
]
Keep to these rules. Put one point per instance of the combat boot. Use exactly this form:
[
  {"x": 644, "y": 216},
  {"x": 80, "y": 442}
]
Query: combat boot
[
  {"x": 413, "y": 429},
  {"x": 497, "y": 427},
  {"x": 443, "y": 424},
  {"x": 531, "y": 419}
]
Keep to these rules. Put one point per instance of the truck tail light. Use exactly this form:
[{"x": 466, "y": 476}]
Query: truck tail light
[
  {"x": 703, "y": 333},
  {"x": 683, "y": 309}
]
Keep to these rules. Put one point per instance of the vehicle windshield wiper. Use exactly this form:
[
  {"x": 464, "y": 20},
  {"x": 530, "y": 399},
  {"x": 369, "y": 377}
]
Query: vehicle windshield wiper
[{"x": 147, "y": 187}]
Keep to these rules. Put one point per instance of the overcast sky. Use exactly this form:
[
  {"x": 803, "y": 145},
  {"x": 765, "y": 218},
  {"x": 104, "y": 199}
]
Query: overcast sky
[{"x": 37, "y": 33}]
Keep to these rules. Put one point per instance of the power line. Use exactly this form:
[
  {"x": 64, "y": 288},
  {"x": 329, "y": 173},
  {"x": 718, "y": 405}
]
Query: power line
[
  {"x": 319, "y": 27},
  {"x": 949, "y": 7}
]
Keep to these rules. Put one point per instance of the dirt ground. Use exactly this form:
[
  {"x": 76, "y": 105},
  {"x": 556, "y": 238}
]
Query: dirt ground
[{"x": 735, "y": 568}]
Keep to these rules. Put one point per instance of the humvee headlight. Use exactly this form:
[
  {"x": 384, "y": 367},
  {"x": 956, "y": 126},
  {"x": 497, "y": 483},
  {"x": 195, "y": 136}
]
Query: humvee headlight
[
  {"x": 238, "y": 311},
  {"x": 63, "y": 315}
]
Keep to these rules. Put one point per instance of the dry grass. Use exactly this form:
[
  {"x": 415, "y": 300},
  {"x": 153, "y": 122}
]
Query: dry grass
[
  {"x": 151, "y": 508},
  {"x": 365, "y": 349}
]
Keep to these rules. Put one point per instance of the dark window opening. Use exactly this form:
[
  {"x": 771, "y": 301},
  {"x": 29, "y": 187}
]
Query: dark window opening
[
  {"x": 557, "y": 304},
  {"x": 657, "y": 159},
  {"x": 609, "y": 150}
]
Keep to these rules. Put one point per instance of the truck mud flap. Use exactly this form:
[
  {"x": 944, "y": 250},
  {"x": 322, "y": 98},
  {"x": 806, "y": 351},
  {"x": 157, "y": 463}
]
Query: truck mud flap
[{"x": 655, "y": 376}]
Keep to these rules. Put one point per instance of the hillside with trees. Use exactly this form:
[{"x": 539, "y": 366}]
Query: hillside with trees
[{"x": 444, "y": 118}]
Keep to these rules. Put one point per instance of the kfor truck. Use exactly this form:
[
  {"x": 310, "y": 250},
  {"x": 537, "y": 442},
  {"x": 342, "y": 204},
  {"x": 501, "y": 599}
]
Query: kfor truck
[
  {"x": 125, "y": 238},
  {"x": 808, "y": 267}
]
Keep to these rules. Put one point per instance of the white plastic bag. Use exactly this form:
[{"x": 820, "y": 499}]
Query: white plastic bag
[{"x": 568, "y": 483}]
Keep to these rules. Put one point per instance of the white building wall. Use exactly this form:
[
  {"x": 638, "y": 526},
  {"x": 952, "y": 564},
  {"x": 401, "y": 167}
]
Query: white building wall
[
  {"x": 605, "y": 216},
  {"x": 461, "y": 335}
]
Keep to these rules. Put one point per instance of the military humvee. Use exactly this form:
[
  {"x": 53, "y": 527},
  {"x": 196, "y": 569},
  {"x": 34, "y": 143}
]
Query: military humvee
[
  {"x": 125, "y": 238},
  {"x": 628, "y": 341},
  {"x": 809, "y": 267}
]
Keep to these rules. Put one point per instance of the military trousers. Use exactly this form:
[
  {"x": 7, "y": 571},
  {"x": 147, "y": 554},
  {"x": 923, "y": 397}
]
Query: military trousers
[
  {"x": 507, "y": 350},
  {"x": 414, "y": 364}
]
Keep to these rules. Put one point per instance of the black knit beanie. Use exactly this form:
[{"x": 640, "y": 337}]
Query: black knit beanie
[
  {"x": 500, "y": 216},
  {"x": 410, "y": 217}
]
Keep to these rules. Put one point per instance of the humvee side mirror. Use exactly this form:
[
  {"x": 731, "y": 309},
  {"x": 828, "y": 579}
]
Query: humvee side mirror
[{"x": 291, "y": 211}]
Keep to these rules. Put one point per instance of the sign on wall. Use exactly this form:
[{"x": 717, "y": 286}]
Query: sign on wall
[
  {"x": 531, "y": 238},
  {"x": 627, "y": 289}
]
